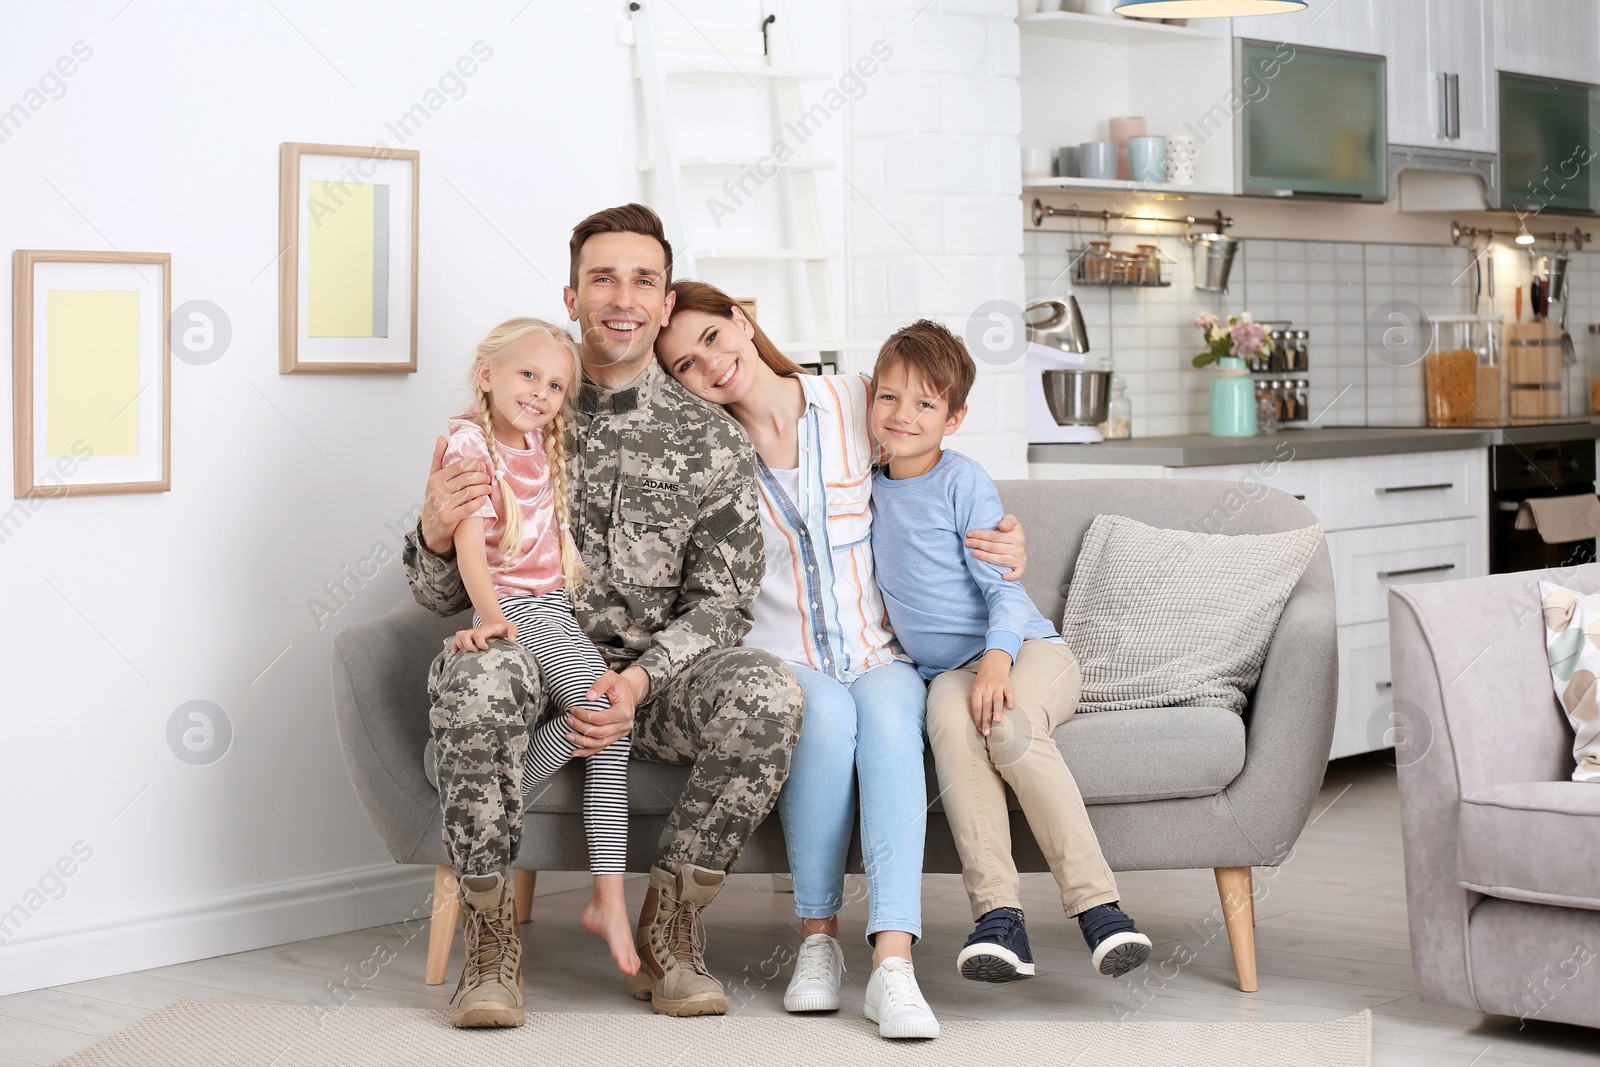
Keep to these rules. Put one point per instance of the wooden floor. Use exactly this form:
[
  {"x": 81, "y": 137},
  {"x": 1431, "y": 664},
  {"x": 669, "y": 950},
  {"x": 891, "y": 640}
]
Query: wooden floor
[{"x": 1331, "y": 939}]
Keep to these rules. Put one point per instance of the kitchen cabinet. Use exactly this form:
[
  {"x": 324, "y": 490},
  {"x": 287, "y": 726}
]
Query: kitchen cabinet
[
  {"x": 1441, "y": 75},
  {"x": 1389, "y": 520},
  {"x": 1348, "y": 25},
  {"x": 1548, "y": 38}
]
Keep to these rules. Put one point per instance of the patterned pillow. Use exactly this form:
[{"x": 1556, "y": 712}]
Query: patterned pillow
[
  {"x": 1171, "y": 618},
  {"x": 1572, "y": 639}
]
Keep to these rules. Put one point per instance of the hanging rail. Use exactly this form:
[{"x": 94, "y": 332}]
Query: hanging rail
[
  {"x": 1458, "y": 231},
  {"x": 1042, "y": 211}
]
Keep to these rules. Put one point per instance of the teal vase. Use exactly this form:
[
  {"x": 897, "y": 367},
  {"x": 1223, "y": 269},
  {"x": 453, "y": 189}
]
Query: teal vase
[{"x": 1233, "y": 400}]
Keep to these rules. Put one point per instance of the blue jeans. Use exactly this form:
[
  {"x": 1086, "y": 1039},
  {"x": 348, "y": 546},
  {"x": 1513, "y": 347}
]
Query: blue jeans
[{"x": 868, "y": 733}]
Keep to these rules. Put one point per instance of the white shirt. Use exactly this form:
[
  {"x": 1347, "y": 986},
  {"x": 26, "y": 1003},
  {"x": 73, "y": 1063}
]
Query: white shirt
[{"x": 774, "y": 628}]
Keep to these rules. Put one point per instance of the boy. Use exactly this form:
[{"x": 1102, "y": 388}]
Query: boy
[{"x": 1002, "y": 678}]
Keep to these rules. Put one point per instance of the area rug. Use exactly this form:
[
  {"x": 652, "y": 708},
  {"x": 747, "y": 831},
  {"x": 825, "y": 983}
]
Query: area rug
[{"x": 192, "y": 1033}]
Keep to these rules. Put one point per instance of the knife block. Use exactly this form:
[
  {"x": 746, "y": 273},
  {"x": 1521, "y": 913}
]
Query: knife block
[{"x": 1533, "y": 369}]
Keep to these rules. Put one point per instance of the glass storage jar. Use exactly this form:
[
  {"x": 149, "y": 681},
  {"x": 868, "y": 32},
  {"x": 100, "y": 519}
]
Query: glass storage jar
[{"x": 1464, "y": 371}]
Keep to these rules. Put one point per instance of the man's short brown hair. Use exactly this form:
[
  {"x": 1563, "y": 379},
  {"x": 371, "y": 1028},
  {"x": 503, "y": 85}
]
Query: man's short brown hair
[
  {"x": 629, "y": 218},
  {"x": 934, "y": 354}
]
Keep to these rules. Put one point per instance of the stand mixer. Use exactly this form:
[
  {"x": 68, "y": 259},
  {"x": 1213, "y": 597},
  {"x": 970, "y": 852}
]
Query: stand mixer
[{"x": 1066, "y": 398}]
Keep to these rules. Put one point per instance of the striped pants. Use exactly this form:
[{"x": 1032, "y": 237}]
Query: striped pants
[{"x": 568, "y": 664}]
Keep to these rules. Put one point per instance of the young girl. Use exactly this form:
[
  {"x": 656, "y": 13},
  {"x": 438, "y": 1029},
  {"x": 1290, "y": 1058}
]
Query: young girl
[{"x": 518, "y": 563}]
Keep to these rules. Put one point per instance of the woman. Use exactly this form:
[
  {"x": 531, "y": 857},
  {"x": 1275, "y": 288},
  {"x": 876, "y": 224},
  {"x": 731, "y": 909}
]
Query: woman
[{"x": 820, "y": 609}]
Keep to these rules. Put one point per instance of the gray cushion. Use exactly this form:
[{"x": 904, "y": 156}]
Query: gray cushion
[
  {"x": 1153, "y": 753},
  {"x": 1168, "y": 618},
  {"x": 1116, "y": 756},
  {"x": 1533, "y": 841}
]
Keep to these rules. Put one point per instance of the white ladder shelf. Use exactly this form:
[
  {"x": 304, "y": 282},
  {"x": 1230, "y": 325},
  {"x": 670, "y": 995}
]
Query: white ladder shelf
[{"x": 761, "y": 66}]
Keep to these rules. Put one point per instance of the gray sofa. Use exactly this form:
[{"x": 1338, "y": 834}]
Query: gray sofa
[
  {"x": 1169, "y": 789},
  {"x": 1502, "y": 849}
]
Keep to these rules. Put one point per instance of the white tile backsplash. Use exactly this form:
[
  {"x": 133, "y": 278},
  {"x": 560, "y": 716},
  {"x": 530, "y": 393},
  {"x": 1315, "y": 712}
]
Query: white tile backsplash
[{"x": 1333, "y": 289}]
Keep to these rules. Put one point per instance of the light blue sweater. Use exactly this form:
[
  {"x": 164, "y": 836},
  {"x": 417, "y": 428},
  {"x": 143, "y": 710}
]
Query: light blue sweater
[{"x": 946, "y": 606}]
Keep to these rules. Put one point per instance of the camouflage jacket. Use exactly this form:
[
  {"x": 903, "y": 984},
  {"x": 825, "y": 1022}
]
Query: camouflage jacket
[{"x": 664, "y": 513}]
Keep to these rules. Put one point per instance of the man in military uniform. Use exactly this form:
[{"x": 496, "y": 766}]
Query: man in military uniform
[{"x": 664, "y": 515}]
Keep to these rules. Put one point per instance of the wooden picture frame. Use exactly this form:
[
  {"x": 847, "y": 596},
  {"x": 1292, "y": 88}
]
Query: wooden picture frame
[
  {"x": 89, "y": 328},
  {"x": 347, "y": 267}
]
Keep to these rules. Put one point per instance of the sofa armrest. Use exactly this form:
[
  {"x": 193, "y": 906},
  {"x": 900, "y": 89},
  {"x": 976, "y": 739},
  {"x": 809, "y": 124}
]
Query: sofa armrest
[
  {"x": 380, "y": 704},
  {"x": 1289, "y": 724},
  {"x": 1430, "y": 795}
]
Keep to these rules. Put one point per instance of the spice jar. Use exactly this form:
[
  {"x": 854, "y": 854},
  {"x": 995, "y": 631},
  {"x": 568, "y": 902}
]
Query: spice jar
[{"x": 1097, "y": 262}]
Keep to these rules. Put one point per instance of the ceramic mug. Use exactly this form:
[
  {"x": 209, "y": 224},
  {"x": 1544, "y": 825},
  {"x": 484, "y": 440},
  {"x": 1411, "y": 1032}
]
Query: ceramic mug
[
  {"x": 1147, "y": 159},
  {"x": 1123, "y": 128},
  {"x": 1067, "y": 162},
  {"x": 1183, "y": 154},
  {"x": 1098, "y": 160},
  {"x": 1036, "y": 162}
]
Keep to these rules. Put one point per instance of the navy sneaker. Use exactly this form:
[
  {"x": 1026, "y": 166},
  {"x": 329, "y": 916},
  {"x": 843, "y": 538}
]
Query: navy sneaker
[
  {"x": 998, "y": 949},
  {"x": 1117, "y": 944}
]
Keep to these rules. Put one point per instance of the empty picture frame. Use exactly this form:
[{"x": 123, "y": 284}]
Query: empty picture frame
[
  {"x": 347, "y": 271},
  {"x": 92, "y": 372}
]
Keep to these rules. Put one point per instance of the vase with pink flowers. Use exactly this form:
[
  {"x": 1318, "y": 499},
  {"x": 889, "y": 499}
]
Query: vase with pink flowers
[{"x": 1229, "y": 343}]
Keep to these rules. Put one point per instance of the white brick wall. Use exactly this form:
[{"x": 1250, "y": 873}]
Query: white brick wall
[{"x": 936, "y": 224}]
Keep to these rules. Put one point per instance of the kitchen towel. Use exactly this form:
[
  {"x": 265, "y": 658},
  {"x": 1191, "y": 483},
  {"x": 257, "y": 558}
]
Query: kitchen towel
[{"x": 1560, "y": 519}]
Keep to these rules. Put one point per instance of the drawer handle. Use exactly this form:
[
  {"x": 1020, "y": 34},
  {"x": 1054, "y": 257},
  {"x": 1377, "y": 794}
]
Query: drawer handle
[
  {"x": 1413, "y": 488},
  {"x": 1385, "y": 685},
  {"x": 1417, "y": 570}
]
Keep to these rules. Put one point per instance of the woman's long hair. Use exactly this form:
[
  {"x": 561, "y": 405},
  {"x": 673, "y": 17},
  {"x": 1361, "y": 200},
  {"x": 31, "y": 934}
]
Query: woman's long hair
[
  {"x": 490, "y": 351},
  {"x": 709, "y": 300}
]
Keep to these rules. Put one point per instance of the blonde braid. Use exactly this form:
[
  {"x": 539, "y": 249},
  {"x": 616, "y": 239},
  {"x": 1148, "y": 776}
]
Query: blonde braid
[
  {"x": 491, "y": 349},
  {"x": 510, "y": 509},
  {"x": 555, "y": 436}
]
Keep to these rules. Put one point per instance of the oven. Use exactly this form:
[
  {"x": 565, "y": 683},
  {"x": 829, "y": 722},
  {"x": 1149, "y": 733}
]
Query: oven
[{"x": 1518, "y": 473}]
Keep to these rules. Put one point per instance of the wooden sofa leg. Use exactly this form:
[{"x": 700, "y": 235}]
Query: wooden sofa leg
[
  {"x": 1239, "y": 913},
  {"x": 442, "y": 926},
  {"x": 524, "y": 883}
]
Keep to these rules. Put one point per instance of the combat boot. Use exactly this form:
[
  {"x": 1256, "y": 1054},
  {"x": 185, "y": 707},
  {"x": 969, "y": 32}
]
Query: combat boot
[
  {"x": 490, "y": 991},
  {"x": 671, "y": 943}
]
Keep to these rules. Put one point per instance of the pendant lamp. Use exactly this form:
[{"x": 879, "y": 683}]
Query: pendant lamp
[{"x": 1206, "y": 9}]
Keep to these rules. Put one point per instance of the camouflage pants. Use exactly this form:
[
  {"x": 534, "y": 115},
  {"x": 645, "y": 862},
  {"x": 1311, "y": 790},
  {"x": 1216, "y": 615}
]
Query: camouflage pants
[
  {"x": 483, "y": 706},
  {"x": 733, "y": 713}
]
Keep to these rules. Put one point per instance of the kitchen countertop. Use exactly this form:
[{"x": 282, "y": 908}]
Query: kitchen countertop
[{"x": 1203, "y": 450}]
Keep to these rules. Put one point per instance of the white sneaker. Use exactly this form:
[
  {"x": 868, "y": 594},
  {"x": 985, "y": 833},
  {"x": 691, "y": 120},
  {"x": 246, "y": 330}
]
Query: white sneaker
[
  {"x": 818, "y": 971},
  {"x": 895, "y": 1003}
]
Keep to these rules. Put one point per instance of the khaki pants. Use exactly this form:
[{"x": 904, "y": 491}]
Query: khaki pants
[{"x": 974, "y": 771}]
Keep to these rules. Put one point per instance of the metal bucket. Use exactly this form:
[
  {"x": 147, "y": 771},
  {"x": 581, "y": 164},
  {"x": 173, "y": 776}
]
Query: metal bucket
[
  {"x": 1213, "y": 260},
  {"x": 1077, "y": 397}
]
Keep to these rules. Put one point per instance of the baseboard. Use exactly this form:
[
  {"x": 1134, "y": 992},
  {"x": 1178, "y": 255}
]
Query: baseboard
[{"x": 255, "y": 918}]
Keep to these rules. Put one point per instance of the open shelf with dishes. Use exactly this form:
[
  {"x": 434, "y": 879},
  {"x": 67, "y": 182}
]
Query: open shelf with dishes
[
  {"x": 1156, "y": 190},
  {"x": 1091, "y": 79}
]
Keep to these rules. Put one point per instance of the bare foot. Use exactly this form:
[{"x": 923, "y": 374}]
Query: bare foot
[{"x": 608, "y": 919}]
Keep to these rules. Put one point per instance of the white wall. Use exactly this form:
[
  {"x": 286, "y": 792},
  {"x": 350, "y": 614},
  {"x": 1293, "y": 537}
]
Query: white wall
[
  {"x": 118, "y": 855},
  {"x": 936, "y": 169},
  {"x": 122, "y": 608}
]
